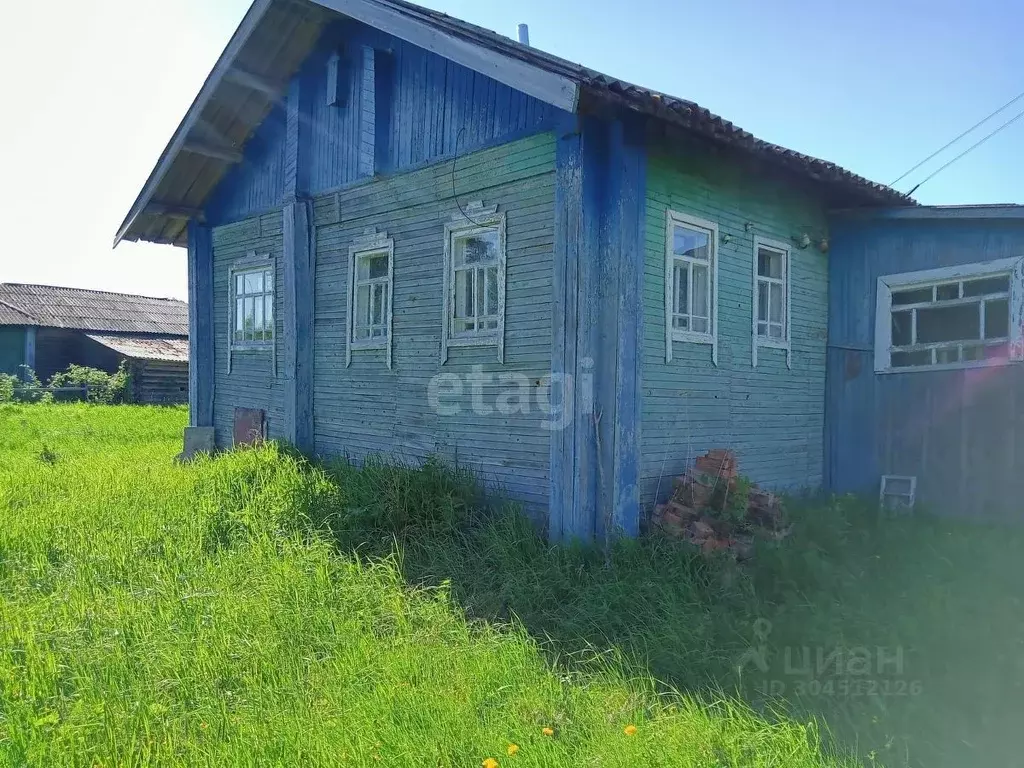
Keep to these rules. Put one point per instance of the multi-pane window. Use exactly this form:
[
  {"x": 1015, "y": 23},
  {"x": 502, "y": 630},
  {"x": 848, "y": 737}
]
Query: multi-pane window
[
  {"x": 772, "y": 295},
  {"x": 690, "y": 280},
  {"x": 475, "y": 281},
  {"x": 253, "y": 299},
  {"x": 950, "y": 322},
  {"x": 370, "y": 292},
  {"x": 372, "y": 296},
  {"x": 475, "y": 263},
  {"x": 950, "y": 317}
]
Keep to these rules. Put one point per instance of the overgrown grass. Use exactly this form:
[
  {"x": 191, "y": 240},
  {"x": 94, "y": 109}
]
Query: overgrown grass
[
  {"x": 904, "y": 636},
  {"x": 201, "y": 615},
  {"x": 257, "y": 610}
]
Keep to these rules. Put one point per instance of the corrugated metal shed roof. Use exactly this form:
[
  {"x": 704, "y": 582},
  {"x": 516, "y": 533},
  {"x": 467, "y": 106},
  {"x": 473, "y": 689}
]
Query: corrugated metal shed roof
[
  {"x": 169, "y": 348},
  {"x": 13, "y": 316},
  {"x": 53, "y": 306},
  {"x": 276, "y": 36}
]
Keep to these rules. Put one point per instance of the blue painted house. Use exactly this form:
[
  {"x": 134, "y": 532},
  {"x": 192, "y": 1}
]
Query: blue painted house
[
  {"x": 408, "y": 235},
  {"x": 925, "y": 342}
]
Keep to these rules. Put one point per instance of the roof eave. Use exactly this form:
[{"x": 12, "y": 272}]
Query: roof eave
[
  {"x": 242, "y": 34},
  {"x": 1007, "y": 211}
]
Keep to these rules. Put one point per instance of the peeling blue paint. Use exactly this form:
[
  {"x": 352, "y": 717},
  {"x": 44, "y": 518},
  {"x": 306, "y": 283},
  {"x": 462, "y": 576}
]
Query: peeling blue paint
[{"x": 200, "y": 325}]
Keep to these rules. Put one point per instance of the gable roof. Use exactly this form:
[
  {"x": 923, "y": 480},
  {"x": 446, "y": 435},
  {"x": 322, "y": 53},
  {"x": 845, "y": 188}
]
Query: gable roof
[
  {"x": 52, "y": 306},
  {"x": 274, "y": 38}
]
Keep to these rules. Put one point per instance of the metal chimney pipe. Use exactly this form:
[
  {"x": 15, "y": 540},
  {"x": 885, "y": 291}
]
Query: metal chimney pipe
[{"x": 524, "y": 34}]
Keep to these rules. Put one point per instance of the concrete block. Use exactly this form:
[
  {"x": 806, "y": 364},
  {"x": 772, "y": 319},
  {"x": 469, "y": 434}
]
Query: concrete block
[{"x": 197, "y": 440}]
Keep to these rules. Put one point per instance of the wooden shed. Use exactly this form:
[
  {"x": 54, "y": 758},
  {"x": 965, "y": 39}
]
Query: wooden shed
[{"x": 47, "y": 328}]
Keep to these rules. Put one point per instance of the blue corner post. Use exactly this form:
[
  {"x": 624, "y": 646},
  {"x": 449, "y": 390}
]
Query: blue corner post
[
  {"x": 627, "y": 222},
  {"x": 200, "y": 325},
  {"x": 600, "y": 186},
  {"x": 298, "y": 267},
  {"x": 30, "y": 347}
]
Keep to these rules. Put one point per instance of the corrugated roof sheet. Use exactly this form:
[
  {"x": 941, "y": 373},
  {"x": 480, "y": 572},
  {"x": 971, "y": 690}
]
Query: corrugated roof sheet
[
  {"x": 169, "y": 348},
  {"x": 686, "y": 114},
  {"x": 13, "y": 316},
  {"x": 80, "y": 309},
  {"x": 275, "y": 37}
]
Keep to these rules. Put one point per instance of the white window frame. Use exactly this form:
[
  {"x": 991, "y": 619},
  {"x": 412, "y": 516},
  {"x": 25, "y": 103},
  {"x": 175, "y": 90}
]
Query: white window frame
[
  {"x": 253, "y": 262},
  {"x": 372, "y": 243},
  {"x": 787, "y": 291},
  {"x": 1013, "y": 267},
  {"x": 673, "y": 218},
  {"x": 474, "y": 219}
]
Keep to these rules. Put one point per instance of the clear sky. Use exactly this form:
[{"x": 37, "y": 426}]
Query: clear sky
[{"x": 94, "y": 91}]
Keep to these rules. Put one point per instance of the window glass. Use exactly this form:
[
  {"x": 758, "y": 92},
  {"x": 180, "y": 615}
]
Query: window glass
[
  {"x": 372, "y": 296},
  {"x": 692, "y": 243},
  {"x": 951, "y": 322},
  {"x": 253, "y": 306},
  {"x": 956, "y": 323},
  {"x": 477, "y": 299}
]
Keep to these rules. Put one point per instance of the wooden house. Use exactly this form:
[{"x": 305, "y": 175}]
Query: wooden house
[
  {"x": 408, "y": 235},
  {"x": 47, "y": 328}
]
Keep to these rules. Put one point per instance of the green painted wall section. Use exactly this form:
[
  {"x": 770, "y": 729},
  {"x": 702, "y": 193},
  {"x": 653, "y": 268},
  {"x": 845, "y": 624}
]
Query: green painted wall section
[
  {"x": 773, "y": 417},
  {"x": 366, "y": 408},
  {"x": 12, "y": 349}
]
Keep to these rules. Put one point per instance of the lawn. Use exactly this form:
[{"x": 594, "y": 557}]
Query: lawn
[{"x": 255, "y": 610}]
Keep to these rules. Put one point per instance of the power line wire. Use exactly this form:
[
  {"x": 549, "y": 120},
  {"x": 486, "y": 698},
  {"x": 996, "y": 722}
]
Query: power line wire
[
  {"x": 944, "y": 147},
  {"x": 971, "y": 148}
]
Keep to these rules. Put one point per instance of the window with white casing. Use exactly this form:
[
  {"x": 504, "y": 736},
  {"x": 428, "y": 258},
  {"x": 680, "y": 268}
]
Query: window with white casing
[
  {"x": 252, "y": 305},
  {"x": 474, "y": 280},
  {"x": 371, "y": 284},
  {"x": 955, "y": 317},
  {"x": 771, "y": 297},
  {"x": 691, "y": 279}
]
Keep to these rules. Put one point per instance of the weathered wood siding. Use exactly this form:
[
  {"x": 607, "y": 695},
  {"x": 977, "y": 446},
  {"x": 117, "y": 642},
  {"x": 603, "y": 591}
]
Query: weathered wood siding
[
  {"x": 772, "y": 416},
  {"x": 253, "y": 380},
  {"x": 57, "y": 348},
  {"x": 368, "y": 409},
  {"x": 435, "y": 109},
  {"x": 159, "y": 382},
  {"x": 961, "y": 432}
]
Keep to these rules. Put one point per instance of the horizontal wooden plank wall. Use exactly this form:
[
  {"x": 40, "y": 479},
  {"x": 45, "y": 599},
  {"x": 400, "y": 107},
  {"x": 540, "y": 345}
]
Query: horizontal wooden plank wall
[
  {"x": 436, "y": 109},
  {"x": 961, "y": 432},
  {"x": 252, "y": 381},
  {"x": 159, "y": 382},
  {"x": 368, "y": 409},
  {"x": 772, "y": 416}
]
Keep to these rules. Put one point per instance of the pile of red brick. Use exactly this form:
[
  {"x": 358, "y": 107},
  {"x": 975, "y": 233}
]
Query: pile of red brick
[{"x": 700, "y": 498}]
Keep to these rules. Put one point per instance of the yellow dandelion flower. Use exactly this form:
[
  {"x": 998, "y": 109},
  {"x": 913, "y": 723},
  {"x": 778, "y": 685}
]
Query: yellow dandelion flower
[
  {"x": 548, "y": 732},
  {"x": 204, "y": 726},
  {"x": 490, "y": 762},
  {"x": 629, "y": 730},
  {"x": 512, "y": 749}
]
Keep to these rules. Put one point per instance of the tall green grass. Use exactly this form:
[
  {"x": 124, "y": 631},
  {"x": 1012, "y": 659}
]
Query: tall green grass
[{"x": 254, "y": 610}]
